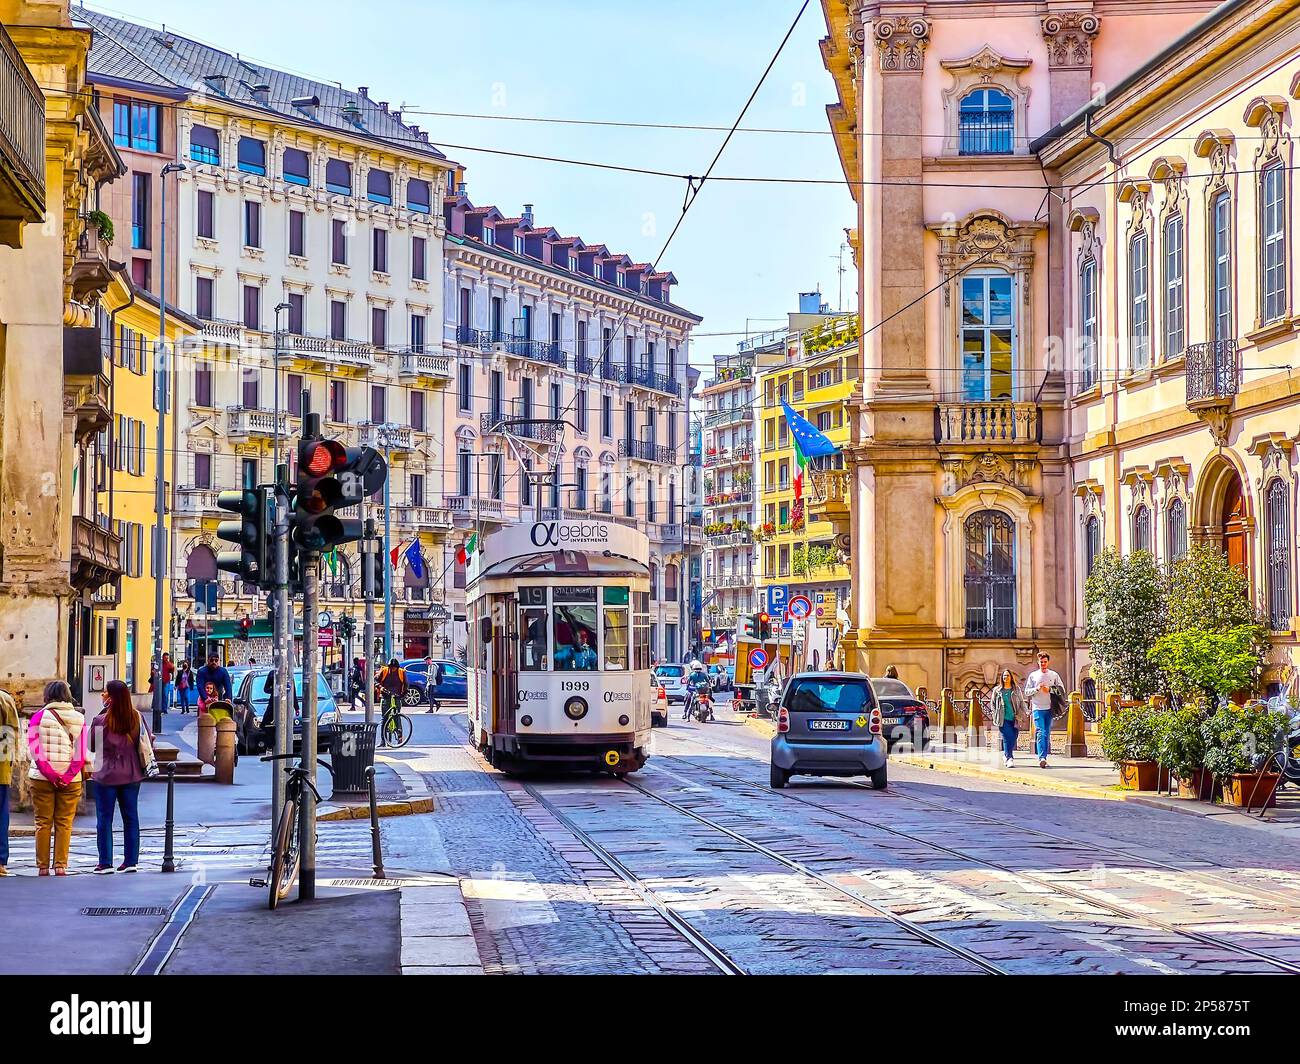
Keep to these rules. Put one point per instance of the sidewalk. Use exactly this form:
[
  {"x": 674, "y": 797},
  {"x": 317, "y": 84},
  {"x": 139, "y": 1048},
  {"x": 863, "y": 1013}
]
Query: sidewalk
[{"x": 1081, "y": 777}]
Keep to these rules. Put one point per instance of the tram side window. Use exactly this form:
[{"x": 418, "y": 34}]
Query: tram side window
[
  {"x": 641, "y": 631},
  {"x": 532, "y": 644},
  {"x": 575, "y": 639},
  {"x": 616, "y": 633}
]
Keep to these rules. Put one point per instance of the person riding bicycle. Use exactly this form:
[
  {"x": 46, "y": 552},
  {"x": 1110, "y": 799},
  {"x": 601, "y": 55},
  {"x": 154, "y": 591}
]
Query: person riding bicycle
[{"x": 392, "y": 682}]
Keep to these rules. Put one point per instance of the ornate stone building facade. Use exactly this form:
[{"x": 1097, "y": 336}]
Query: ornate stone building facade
[{"x": 963, "y": 494}]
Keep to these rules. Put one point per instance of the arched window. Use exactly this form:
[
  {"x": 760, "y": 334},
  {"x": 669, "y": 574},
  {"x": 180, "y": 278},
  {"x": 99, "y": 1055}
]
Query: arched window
[
  {"x": 670, "y": 582},
  {"x": 1142, "y": 529},
  {"x": 986, "y": 123},
  {"x": 1277, "y": 551},
  {"x": 990, "y": 576},
  {"x": 1176, "y": 531},
  {"x": 1091, "y": 544}
]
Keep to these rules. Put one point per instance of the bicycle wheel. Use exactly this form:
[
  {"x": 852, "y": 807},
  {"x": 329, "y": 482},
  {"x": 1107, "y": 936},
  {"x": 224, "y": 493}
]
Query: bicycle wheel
[
  {"x": 285, "y": 857},
  {"x": 397, "y": 730}
]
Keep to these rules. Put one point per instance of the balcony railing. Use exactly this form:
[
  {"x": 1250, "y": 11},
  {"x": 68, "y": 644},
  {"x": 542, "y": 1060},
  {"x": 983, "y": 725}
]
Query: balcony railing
[
  {"x": 386, "y": 436},
  {"x": 1211, "y": 371},
  {"x": 729, "y": 456},
  {"x": 729, "y": 498},
  {"x": 96, "y": 555},
  {"x": 349, "y": 354},
  {"x": 734, "y": 580},
  {"x": 243, "y": 422},
  {"x": 831, "y": 335},
  {"x": 582, "y": 364},
  {"x": 681, "y": 537},
  {"x": 829, "y": 500},
  {"x": 987, "y": 424},
  {"x": 612, "y": 371},
  {"x": 732, "y": 415},
  {"x": 728, "y": 376},
  {"x": 416, "y": 518},
  {"x": 986, "y": 133},
  {"x": 196, "y": 502},
  {"x": 22, "y": 140},
  {"x": 646, "y": 451},
  {"x": 419, "y": 364},
  {"x": 646, "y": 377},
  {"x": 222, "y": 329},
  {"x": 729, "y": 539},
  {"x": 470, "y": 505}
]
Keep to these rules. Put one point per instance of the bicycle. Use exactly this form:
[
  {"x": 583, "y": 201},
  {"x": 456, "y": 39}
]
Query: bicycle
[
  {"x": 286, "y": 851},
  {"x": 396, "y": 729}
]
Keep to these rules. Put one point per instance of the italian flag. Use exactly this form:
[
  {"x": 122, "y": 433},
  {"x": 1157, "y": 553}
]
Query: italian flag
[
  {"x": 809, "y": 442},
  {"x": 466, "y": 549},
  {"x": 802, "y": 462}
]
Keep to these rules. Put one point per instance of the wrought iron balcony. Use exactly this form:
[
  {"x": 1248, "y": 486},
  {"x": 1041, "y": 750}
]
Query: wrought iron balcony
[
  {"x": 22, "y": 144},
  {"x": 612, "y": 371},
  {"x": 422, "y": 364},
  {"x": 647, "y": 377},
  {"x": 646, "y": 451},
  {"x": 96, "y": 555},
  {"x": 244, "y": 422},
  {"x": 729, "y": 456},
  {"x": 1211, "y": 371},
  {"x": 538, "y": 351},
  {"x": 1000, "y": 423},
  {"x": 721, "y": 540},
  {"x": 582, "y": 364},
  {"x": 732, "y": 415},
  {"x": 729, "y": 498}
]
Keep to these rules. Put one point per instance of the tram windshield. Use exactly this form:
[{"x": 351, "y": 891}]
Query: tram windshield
[{"x": 584, "y": 629}]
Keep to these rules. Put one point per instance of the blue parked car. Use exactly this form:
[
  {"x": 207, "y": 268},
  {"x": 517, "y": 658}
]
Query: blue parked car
[{"x": 452, "y": 683}]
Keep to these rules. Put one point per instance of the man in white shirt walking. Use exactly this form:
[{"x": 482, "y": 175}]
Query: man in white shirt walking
[{"x": 1038, "y": 689}]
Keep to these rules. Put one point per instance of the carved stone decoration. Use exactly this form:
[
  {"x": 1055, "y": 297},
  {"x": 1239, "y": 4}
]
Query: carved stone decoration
[
  {"x": 900, "y": 42},
  {"x": 988, "y": 468},
  {"x": 1219, "y": 421},
  {"x": 1069, "y": 36}
]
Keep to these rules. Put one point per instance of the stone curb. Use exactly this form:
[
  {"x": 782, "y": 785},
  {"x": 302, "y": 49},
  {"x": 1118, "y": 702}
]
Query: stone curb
[
  {"x": 435, "y": 930},
  {"x": 418, "y": 797},
  {"x": 761, "y": 725}
]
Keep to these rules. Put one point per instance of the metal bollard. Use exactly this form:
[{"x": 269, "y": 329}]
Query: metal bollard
[
  {"x": 1112, "y": 703},
  {"x": 169, "y": 826},
  {"x": 974, "y": 718},
  {"x": 375, "y": 847}
]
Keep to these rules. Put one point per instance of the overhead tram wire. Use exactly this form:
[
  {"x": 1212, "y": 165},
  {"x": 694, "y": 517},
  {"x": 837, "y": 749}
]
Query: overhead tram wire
[{"x": 753, "y": 179}]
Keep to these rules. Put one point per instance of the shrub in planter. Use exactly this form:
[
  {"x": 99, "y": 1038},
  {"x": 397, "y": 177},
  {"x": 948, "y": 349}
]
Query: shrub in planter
[
  {"x": 1131, "y": 740},
  {"x": 1181, "y": 748},
  {"x": 1238, "y": 741}
]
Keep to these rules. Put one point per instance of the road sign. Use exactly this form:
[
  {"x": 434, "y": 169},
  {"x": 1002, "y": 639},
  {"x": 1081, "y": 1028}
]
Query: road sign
[
  {"x": 800, "y": 607},
  {"x": 757, "y": 658},
  {"x": 827, "y": 606},
  {"x": 778, "y": 598},
  {"x": 325, "y": 637}
]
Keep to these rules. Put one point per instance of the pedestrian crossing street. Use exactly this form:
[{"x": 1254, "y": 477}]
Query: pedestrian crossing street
[{"x": 217, "y": 853}]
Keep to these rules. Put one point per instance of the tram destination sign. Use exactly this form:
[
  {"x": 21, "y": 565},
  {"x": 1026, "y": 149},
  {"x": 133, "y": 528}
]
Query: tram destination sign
[{"x": 530, "y": 538}]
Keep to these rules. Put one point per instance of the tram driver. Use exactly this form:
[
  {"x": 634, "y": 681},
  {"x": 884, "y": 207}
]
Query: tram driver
[{"x": 574, "y": 649}]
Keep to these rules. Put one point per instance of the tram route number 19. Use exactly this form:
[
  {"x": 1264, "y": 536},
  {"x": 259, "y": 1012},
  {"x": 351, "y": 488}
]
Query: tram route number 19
[{"x": 575, "y": 685}]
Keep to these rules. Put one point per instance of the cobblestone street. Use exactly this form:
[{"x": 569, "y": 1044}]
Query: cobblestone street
[{"x": 696, "y": 865}]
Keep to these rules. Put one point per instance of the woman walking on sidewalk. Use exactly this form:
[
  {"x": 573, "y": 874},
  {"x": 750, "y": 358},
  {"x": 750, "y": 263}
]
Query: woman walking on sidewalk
[
  {"x": 185, "y": 686},
  {"x": 1006, "y": 706},
  {"x": 123, "y": 748},
  {"x": 56, "y": 740},
  {"x": 9, "y": 759}
]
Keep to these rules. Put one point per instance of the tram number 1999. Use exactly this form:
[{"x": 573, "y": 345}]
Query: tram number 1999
[{"x": 575, "y": 685}]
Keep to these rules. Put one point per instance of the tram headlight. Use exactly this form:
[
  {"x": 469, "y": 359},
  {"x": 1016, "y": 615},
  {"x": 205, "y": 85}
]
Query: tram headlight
[
  {"x": 624, "y": 720},
  {"x": 575, "y": 708},
  {"x": 526, "y": 721}
]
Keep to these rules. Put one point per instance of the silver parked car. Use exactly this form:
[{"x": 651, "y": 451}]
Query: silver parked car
[{"x": 828, "y": 724}]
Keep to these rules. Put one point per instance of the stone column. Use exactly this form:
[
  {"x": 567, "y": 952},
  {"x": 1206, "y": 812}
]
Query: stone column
[{"x": 1069, "y": 36}]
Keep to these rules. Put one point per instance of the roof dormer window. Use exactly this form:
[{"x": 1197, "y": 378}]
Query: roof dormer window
[
  {"x": 519, "y": 244},
  {"x": 489, "y": 235}
]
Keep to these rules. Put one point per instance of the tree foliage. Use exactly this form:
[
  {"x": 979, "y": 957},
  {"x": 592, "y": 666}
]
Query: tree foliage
[
  {"x": 1125, "y": 605},
  {"x": 1208, "y": 664},
  {"x": 1207, "y": 593}
]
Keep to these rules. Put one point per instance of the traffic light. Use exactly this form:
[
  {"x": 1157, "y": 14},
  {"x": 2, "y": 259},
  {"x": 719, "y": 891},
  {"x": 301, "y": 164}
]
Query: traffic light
[
  {"x": 332, "y": 476},
  {"x": 251, "y": 533},
  {"x": 379, "y": 569},
  {"x": 748, "y": 626},
  {"x": 764, "y": 621},
  {"x": 245, "y": 628}
]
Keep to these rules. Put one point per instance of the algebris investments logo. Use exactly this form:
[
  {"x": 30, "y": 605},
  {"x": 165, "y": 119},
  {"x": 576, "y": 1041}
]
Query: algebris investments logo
[
  {"x": 552, "y": 533},
  {"x": 120, "y": 1019}
]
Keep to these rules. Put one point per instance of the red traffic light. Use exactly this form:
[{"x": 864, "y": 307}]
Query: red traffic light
[
  {"x": 323, "y": 456},
  {"x": 764, "y": 618}
]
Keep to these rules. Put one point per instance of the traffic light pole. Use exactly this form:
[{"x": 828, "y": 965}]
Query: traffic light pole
[
  {"x": 310, "y": 652},
  {"x": 388, "y": 544},
  {"x": 369, "y": 559},
  {"x": 283, "y": 637}
]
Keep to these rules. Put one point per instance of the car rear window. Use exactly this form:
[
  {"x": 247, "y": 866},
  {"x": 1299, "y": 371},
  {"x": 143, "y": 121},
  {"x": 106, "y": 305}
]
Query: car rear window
[
  {"x": 828, "y": 696},
  {"x": 671, "y": 670},
  {"x": 889, "y": 688}
]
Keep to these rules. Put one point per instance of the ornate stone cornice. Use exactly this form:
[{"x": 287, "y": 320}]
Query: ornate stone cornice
[
  {"x": 900, "y": 43},
  {"x": 1069, "y": 37}
]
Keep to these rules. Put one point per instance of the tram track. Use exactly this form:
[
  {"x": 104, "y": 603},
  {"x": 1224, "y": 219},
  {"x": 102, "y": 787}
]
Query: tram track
[{"x": 1072, "y": 892}]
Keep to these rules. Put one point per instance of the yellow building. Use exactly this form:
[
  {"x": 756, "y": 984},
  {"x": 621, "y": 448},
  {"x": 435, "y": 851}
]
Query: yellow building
[
  {"x": 803, "y": 543},
  {"x": 123, "y": 614}
]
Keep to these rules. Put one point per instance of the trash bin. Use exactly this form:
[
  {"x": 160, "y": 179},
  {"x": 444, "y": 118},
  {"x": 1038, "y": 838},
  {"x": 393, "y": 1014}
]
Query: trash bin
[{"x": 352, "y": 751}]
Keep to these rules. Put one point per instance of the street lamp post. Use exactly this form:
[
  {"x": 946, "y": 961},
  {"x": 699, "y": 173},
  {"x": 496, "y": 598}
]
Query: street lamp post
[
  {"x": 278, "y": 308},
  {"x": 161, "y": 378},
  {"x": 386, "y": 442}
]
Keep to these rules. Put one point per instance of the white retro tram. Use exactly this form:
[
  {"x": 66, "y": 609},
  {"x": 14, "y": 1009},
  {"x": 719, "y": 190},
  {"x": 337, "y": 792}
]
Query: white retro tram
[{"x": 558, "y": 614}]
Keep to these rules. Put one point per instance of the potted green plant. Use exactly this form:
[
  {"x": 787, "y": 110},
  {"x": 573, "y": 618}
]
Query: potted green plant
[
  {"x": 103, "y": 225},
  {"x": 1238, "y": 741},
  {"x": 1181, "y": 749},
  {"x": 1130, "y": 740}
]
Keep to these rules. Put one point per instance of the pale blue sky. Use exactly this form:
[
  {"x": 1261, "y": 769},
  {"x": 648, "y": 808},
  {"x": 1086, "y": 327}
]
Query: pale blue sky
[{"x": 744, "y": 251}]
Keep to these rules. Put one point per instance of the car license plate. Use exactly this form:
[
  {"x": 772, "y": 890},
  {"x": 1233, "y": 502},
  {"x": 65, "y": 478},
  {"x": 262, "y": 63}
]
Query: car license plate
[
  {"x": 829, "y": 725},
  {"x": 893, "y": 720}
]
